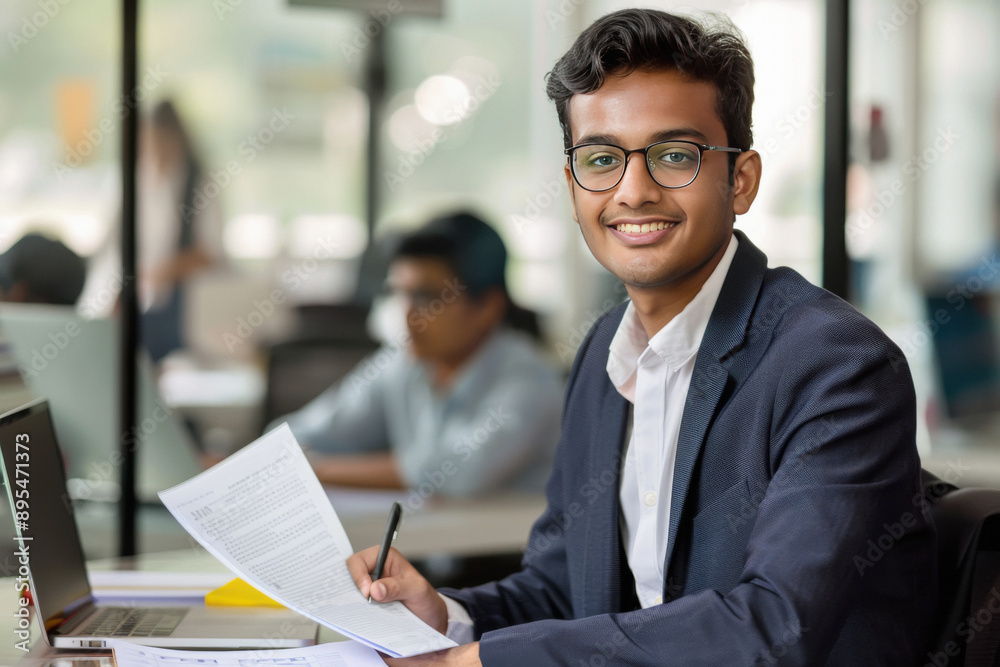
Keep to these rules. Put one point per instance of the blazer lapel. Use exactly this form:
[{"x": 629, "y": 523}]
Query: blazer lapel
[
  {"x": 726, "y": 330},
  {"x": 602, "y": 579}
]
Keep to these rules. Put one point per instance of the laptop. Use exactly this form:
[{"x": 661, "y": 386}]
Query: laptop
[
  {"x": 73, "y": 362},
  {"x": 67, "y": 611}
]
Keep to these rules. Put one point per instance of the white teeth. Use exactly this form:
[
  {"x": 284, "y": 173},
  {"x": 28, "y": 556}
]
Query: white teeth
[{"x": 629, "y": 228}]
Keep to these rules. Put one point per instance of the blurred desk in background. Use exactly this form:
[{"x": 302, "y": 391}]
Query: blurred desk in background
[
  {"x": 222, "y": 404},
  {"x": 452, "y": 542},
  {"x": 458, "y": 528},
  {"x": 966, "y": 453}
]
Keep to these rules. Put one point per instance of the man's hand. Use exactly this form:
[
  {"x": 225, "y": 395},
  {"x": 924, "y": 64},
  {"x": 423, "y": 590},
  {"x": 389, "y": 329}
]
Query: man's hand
[
  {"x": 461, "y": 656},
  {"x": 400, "y": 581}
]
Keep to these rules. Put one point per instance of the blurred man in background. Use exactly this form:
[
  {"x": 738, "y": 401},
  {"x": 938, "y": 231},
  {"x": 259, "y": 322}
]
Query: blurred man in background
[
  {"x": 36, "y": 269},
  {"x": 468, "y": 406}
]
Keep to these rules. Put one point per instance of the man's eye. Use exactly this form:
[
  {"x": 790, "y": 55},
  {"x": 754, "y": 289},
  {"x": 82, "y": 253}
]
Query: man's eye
[
  {"x": 676, "y": 158},
  {"x": 601, "y": 161},
  {"x": 423, "y": 296}
]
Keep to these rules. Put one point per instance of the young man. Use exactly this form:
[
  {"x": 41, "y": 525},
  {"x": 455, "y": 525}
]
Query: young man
[
  {"x": 734, "y": 439},
  {"x": 469, "y": 407}
]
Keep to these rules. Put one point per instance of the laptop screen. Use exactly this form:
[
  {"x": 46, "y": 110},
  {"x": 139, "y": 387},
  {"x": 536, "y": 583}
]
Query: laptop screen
[{"x": 33, "y": 473}]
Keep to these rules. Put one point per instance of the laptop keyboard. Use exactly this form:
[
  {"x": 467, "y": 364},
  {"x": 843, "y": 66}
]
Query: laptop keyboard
[{"x": 135, "y": 622}]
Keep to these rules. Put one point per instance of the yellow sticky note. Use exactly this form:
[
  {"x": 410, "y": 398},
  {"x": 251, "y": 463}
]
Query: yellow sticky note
[{"x": 238, "y": 593}]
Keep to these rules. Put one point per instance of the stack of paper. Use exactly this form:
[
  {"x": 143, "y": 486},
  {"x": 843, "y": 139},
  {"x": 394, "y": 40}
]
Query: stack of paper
[
  {"x": 140, "y": 584},
  {"x": 263, "y": 513}
]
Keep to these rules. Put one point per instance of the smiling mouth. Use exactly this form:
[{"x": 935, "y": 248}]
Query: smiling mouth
[{"x": 645, "y": 228}]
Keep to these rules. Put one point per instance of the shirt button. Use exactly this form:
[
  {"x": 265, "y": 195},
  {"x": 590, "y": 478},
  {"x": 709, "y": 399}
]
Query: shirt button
[
  {"x": 658, "y": 600},
  {"x": 650, "y": 499}
]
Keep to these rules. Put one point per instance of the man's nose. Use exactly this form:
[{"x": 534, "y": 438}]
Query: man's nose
[{"x": 637, "y": 187}]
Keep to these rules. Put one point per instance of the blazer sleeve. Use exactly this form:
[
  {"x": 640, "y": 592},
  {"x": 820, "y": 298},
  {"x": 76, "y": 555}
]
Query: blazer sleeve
[{"x": 844, "y": 469}]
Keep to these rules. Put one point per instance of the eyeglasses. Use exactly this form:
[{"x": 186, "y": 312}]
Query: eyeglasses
[
  {"x": 419, "y": 298},
  {"x": 672, "y": 164}
]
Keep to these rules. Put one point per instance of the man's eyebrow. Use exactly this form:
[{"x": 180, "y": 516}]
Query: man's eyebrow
[
  {"x": 680, "y": 133},
  {"x": 664, "y": 135},
  {"x": 597, "y": 139}
]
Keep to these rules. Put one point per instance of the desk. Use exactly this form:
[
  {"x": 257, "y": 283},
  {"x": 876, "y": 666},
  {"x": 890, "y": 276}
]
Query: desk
[
  {"x": 480, "y": 527},
  {"x": 486, "y": 526},
  {"x": 40, "y": 655},
  {"x": 453, "y": 543},
  {"x": 224, "y": 404}
]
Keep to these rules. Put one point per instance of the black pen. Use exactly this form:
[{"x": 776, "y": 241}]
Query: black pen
[{"x": 383, "y": 550}]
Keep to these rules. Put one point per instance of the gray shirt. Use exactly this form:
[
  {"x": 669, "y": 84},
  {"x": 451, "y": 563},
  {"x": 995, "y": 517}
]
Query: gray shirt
[{"x": 494, "y": 428}]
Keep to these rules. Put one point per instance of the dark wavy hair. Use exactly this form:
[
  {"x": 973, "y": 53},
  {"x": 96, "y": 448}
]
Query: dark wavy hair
[{"x": 647, "y": 39}]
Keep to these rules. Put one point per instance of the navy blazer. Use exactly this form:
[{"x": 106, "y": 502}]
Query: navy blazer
[{"x": 798, "y": 531}]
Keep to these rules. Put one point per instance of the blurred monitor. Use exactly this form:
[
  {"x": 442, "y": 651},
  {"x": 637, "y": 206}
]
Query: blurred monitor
[
  {"x": 965, "y": 351},
  {"x": 73, "y": 362}
]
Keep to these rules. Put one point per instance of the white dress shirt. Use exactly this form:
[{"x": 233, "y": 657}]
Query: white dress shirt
[{"x": 654, "y": 376}]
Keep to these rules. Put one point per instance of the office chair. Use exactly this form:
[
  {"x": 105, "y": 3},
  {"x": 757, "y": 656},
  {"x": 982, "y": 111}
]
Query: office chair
[
  {"x": 966, "y": 631},
  {"x": 329, "y": 342}
]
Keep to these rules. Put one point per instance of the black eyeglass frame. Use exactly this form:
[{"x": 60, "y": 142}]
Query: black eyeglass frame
[{"x": 645, "y": 159}]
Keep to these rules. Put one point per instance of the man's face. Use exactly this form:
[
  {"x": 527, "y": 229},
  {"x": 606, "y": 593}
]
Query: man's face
[
  {"x": 634, "y": 111},
  {"x": 444, "y": 324}
]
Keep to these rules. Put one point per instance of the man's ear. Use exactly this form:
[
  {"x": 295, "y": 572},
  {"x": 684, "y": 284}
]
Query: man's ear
[
  {"x": 18, "y": 293},
  {"x": 492, "y": 307},
  {"x": 746, "y": 180},
  {"x": 572, "y": 192}
]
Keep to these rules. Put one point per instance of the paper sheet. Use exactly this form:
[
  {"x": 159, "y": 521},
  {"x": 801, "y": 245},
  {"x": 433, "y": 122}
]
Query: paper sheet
[
  {"x": 263, "y": 513},
  {"x": 337, "y": 654}
]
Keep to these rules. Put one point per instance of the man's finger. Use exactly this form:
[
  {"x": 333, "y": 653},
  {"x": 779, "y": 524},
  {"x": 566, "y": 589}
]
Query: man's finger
[
  {"x": 360, "y": 565},
  {"x": 379, "y": 591},
  {"x": 386, "y": 589},
  {"x": 369, "y": 556}
]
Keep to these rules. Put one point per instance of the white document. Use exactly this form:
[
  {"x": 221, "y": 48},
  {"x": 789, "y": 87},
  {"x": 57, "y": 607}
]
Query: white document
[
  {"x": 263, "y": 513},
  {"x": 336, "y": 654}
]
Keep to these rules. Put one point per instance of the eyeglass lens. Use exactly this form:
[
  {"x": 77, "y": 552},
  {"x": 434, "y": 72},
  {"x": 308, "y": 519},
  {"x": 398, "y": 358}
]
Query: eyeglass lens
[{"x": 672, "y": 164}]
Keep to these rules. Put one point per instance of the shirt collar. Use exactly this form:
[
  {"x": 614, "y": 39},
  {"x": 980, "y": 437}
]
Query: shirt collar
[{"x": 676, "y": 343}]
